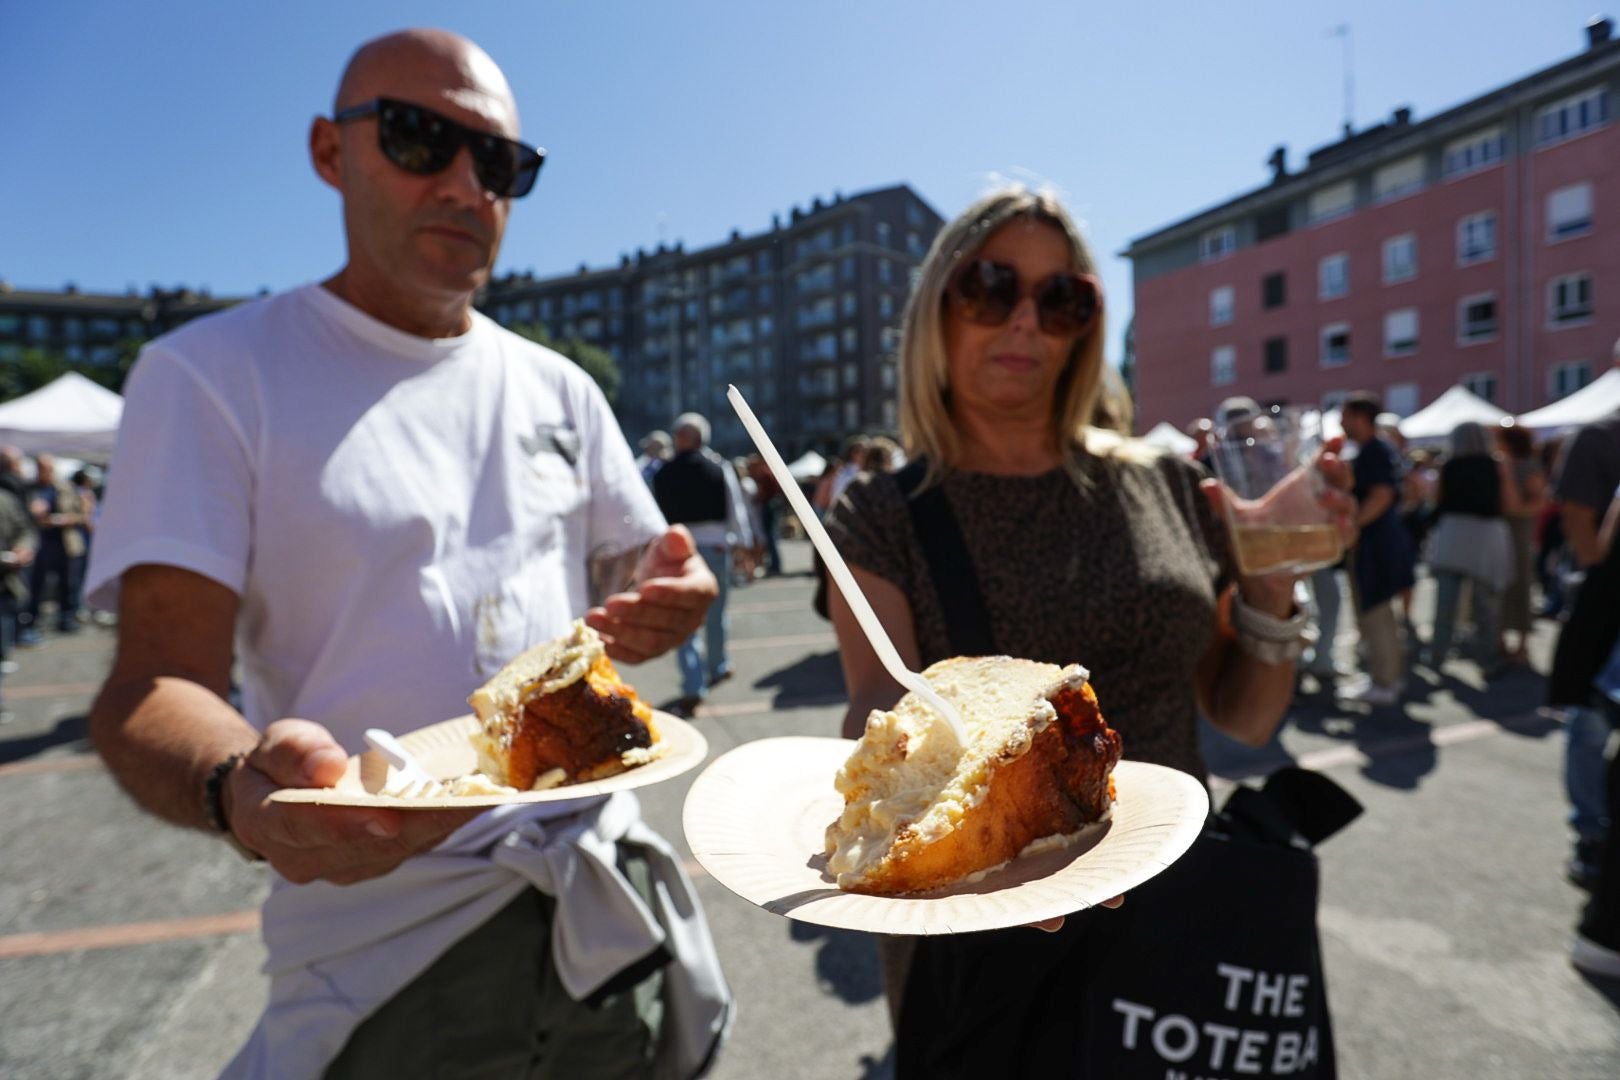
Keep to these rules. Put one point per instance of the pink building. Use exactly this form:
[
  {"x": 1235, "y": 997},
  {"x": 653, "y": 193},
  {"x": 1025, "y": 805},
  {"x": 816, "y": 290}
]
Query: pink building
[{"x": 1480, "y": 246}]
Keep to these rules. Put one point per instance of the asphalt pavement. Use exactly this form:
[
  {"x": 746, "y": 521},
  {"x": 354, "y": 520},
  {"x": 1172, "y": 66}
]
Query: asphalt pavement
[{"x": 129, "y": 948}]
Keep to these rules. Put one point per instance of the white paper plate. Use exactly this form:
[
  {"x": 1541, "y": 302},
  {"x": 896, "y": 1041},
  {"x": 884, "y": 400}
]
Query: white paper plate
[
  {"x": 757, "y": 817},
  {"x": 446, "y": 751}
]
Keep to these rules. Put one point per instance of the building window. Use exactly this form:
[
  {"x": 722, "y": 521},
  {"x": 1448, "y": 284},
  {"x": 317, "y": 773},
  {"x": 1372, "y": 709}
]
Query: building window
[
  {"x": 885, "y": 306},
  {"x": 1476, "y": 238},
  {"x": 1333, "y": 201},
  {"x": 852, "y": 415},
  {"x": 1400, "y": 178},
  {"x": 1276, "y": 351},
  {"x": 1569, "y": 299},
  {"x": 1401, "y": 332},
  {"x": 1333, "y": 277},
  {"x": 1482, "y": 384},
  {"x": 885, "y": 272},
  {"x": 888, "y": 414},
  {"x": 10, "y": 324},
  {"x": 851, "y": 339},
  {"x": 1272, "y": 222},
  {"x": 852, "y": 376},
  {"x": 1217, "y": 243},
  {"x": 886, "y": 378},
  {"x": 1222, "y": 365},
  {"x": 1472, "y": 152},
  {"x": 1401, "y": 398},
  {"x": 1400, "y": 258},
  {"x": 1220, "y": 306},
  {"x": 1572, "y": 116},
  {"x": 1564, "y": 379},
  {"x": 1569, "y": 212},
  {"x": 1336, "y": 345},
  {"x": 883, "y": 233},
  {"x": 1476, "y": 318},
  {"x": 1274, "y": 290},
  {"x": 848, "y": 304}
]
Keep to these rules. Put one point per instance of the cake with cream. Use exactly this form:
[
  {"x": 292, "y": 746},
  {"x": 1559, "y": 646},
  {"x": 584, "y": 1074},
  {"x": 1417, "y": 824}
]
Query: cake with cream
[
  {"x": 922, "y": 810},
  {"x": 560, "y": 714}
]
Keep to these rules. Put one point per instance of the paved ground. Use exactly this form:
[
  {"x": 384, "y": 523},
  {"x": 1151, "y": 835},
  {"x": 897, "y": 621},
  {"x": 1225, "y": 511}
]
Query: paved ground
[{"x": 127, "y": 949}]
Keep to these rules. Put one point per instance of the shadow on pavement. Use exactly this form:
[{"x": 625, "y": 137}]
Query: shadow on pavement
[
  {"x": 69, "y": 729},
  {"x": 1609, "y": 988},
  {"x": 816, "y": 679},
  {"x": 846, "y": 962},
  {"x": 878, "y": 1068}
]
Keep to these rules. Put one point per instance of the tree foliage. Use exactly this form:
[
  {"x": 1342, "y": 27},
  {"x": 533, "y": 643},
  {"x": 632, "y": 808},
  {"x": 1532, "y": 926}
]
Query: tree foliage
[
  {"x": 597, "y": 361},
  {"x": 36, "y": 367}
]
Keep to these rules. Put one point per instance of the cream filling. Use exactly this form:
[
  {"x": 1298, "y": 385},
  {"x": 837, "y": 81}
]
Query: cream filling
[{"x": 909, "y": 780}]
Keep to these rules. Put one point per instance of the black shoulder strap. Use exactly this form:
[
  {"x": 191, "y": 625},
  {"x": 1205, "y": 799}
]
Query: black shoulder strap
[{"x": 967, "y": 620}]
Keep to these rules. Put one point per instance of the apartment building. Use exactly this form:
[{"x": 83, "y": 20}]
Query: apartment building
[
  {"x": 1477, "y": 247},
  {"x": 803, "y": 318}
]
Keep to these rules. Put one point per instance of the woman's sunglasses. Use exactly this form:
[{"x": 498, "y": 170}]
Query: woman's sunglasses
[
  {"x": 423, "y": 142},
  {"x": 987, "y": 293}
]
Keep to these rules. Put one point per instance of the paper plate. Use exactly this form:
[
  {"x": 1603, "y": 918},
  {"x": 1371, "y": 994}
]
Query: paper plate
[
  {"x": 446, "y": 751},
  {"x": 757, "y": 817}
]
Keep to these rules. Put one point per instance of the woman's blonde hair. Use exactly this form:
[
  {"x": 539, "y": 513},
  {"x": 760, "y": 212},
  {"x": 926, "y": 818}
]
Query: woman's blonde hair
[{"x": 1091, "y": 409}]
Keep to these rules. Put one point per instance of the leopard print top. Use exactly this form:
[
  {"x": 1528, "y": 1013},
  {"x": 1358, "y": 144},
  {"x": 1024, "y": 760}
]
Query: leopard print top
[{"x": 1120, "y": 575}]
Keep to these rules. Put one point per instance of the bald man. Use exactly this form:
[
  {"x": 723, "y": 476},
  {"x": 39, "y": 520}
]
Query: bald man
[{"x": 373, "y": 497}]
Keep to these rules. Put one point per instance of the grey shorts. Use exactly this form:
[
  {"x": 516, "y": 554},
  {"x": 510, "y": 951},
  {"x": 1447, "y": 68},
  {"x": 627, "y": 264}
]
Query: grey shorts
[{"x": 493, "y": 1007}]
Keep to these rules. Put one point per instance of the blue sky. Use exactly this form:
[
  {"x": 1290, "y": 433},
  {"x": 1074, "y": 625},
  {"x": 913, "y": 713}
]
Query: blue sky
[{"x": 163, "y": 143}]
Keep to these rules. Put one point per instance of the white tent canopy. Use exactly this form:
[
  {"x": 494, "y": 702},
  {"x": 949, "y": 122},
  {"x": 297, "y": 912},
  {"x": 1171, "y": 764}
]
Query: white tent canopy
[
  {"x": 1165, "y": 436},
  {"x": 808, "y": 467},
  {"x": 1591, "y": 402},
  {"x": 1436, "y": 420},
  {"x": 71, "y": 415}
]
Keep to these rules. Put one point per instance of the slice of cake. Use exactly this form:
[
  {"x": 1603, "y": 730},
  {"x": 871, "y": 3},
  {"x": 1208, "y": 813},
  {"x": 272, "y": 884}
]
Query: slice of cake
[
  {"x": 559, "y": 714},
  {"x": 922, "y": 810}
]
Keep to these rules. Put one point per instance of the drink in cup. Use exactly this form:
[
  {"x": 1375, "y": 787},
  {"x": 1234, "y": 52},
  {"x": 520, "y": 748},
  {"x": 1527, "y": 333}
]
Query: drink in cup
[{"x": 1266, "y": 460}]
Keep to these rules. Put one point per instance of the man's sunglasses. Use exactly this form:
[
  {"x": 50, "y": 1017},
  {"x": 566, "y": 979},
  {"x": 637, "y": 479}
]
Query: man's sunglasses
[
  {"x": 423, "y": 142},
  {"x": 987, "y": 293}
]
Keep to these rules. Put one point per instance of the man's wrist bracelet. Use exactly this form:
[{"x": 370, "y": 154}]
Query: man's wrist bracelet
[{"x": 214, "y": 804}]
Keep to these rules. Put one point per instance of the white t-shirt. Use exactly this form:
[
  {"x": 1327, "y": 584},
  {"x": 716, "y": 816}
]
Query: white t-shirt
[{"x": 399, "y": 516}]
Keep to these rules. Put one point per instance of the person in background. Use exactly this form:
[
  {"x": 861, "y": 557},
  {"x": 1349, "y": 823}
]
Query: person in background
[
  {"x": 1472, "y": 545},
  {"x": 1001, "y": 370},
  {"x": 1587, "y": 476},
  {"x": 854, "y": 462},
  {"x": 1553, "y": 561},
  {"x": 1518, "y": 449},
  {"x": 59, "y": 517},
  {"x": 12, "y": 475},
  {"x": 1596, "y": 948},
  {"x": 769, "y": 500},
  {"x": 14, "y": 487},
  {"x": 655, "y": 450},
  {"x": 1202, "y": 432},
  {"x": 699, "y": 489},
  {"x": 374, "y": 497},
  {"x": 18, "y": 540},
  {"x": 822, "y": 498},
  {"x": 1382, "y": 564},
  {"x": 89, "y": 506}
]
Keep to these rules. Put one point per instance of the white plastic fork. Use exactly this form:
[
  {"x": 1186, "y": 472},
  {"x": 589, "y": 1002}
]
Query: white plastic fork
[
  {"x": 886, "y": 652},
  {"x": 411, "y": 781}
]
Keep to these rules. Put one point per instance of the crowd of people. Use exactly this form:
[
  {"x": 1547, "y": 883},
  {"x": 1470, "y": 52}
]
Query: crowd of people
[
  {"x": 370, "y": 497},
  {"x": 46, "y": 522}
]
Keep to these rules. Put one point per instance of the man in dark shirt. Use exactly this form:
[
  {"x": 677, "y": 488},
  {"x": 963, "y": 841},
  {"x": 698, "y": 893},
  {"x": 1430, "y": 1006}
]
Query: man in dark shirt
[
  {"x": 1382, "y": 564},
  {"x": 58, "y": 515},
  {"x": 1587, "y": 478},
  {"x": 699, "y": 489}
]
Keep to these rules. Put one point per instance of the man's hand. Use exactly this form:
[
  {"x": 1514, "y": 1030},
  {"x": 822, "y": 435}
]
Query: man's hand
[
  {"x": 673, "y": 591},
  {"x": 306, "y": 843}
]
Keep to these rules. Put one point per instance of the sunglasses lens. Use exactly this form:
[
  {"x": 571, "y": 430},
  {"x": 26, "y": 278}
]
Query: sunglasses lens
[
  {"x": 1066, "y": 304},
  {"x": 416, "y": 140},
  {"x": 987, "y": 292},
  {"x": 505, "y": 167}
]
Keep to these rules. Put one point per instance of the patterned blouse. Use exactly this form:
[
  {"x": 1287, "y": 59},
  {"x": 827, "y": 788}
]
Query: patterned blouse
[{"x": 1120, "y": 575}]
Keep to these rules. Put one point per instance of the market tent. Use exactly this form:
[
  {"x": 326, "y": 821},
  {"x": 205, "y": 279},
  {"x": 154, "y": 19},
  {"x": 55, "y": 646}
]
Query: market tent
[
  {"x": 71, "y": 415},
  {"x": 808, "y": 467},
  {"x": 1165, "y": 436},
  {"x": 1435, "y": 421},
  {"x": 1591, "y": 402}
]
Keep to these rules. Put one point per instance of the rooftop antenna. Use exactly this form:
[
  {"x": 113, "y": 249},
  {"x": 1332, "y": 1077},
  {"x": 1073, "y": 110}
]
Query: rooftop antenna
[{"x": 1343, "y": 31}]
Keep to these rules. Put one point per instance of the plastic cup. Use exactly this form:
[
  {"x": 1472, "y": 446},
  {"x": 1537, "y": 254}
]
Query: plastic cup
[{"x": 1274, "y": 510}]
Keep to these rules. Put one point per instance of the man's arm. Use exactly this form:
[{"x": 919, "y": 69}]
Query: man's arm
[
  {"x": 1581, "y": 533},
  {"x": 161, "y": 722}
]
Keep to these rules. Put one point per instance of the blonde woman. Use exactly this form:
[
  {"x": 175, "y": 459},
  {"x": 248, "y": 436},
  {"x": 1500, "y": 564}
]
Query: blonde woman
[{"x": 1081, "y": 545}]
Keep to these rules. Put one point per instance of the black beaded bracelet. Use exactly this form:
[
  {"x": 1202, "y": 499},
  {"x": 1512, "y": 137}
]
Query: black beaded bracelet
[{"x": 214, "y": 792}]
